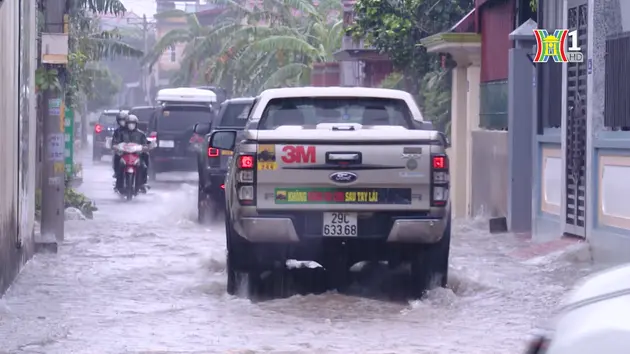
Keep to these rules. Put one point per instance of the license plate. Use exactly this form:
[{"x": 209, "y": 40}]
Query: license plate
[
  {"x": 167, "y": 143},
  {"x": 340, "y": 224},
  {"x": 226, "y": 152}
]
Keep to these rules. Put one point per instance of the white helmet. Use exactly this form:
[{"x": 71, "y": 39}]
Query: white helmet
[{"x": 132, "y": 122}]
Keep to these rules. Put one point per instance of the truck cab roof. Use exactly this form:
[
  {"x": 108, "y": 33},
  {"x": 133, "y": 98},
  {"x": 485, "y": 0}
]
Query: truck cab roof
[
  {"x": 240, "y": 100},
  {"x": 336, "y": 91}
]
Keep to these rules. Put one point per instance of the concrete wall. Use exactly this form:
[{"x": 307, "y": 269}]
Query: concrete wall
[
  {"x": 17, "y": 130},
  {"x": 489, "y": 194},
  {"x": 608, "y": 150}
]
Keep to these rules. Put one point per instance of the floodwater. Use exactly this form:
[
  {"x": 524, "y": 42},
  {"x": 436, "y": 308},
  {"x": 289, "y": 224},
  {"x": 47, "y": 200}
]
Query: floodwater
[{"x": 144, "y": 277}]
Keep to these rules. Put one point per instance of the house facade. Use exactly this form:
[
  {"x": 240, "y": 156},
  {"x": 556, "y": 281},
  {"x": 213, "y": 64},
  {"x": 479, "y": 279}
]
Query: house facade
[
  {"x": 17, "y": 127},
  {"x": 583, "y": 160},
  {"x": 480, "y": 44}
]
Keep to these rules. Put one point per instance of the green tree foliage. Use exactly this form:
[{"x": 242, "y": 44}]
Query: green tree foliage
[
  {"x": 396, "y": 27},
  {"x": 248, "y": 49},
  {"x": 436, "y": 90},
  {"x": 106, "y": 85},
  {"x": 100, "y": 6},
  {"x": 88, "y": 45}
]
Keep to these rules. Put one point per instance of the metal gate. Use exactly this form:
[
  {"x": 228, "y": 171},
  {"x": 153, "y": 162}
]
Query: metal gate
[{"x": 575, "y": 213}]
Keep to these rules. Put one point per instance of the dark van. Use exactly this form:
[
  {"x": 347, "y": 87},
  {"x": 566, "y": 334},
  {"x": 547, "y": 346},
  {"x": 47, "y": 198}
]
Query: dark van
[{"x": 172, "y": 127}]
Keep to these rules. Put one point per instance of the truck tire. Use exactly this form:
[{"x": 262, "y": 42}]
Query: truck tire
[
  {"x": 243, "y": 277},
  {"x": 429, "y": 268},
  {"x": 203, "y": 214}
]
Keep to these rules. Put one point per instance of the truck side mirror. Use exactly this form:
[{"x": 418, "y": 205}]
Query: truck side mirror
[
  {"x": 202, "y": 128},
  {"x": 223, "y": 139}
]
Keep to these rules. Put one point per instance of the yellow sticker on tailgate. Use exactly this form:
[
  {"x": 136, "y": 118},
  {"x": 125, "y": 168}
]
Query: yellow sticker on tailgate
[
  {"x": 266, "y": 157},
  {"x": 227, "y": 152}
]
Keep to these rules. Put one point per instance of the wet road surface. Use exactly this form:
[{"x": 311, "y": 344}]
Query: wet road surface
[{"x": 145, "y": 277}]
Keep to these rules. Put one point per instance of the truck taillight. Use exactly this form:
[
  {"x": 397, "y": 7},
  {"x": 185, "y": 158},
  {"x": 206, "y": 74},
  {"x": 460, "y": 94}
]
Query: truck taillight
[
  {"x": 212, "y": 152},
  {"x": 98, "y": 128},
  {"x": 439, "y": 180},
  {"x": 246, "y": 179},
  {"x": 439, "y": 162},
  {"x": 246, "y": 162}
]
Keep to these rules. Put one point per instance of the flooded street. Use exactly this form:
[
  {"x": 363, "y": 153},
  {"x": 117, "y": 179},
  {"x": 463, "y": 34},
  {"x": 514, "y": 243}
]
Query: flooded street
[{"x": 145, "y": 277}]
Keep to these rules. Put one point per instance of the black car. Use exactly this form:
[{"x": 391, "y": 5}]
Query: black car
[
  {"x": 103, "y": 129},
  {"x": 212, "y": 163},
  {"x": 144, "y": 114},
  {"x": 172, "y": 127}
]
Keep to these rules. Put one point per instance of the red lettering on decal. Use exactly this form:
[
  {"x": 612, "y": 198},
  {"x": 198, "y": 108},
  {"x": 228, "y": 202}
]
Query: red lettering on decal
[
  {"x": 298, "y": 154},
  {"x": 328, "y": 196},
  {"x": 314, "y": 196},
  {"x": 339, "y": 197}
]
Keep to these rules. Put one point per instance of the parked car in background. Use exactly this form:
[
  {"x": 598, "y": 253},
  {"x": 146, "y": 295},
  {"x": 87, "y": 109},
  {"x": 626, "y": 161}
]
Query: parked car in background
[
  {"x": 144, "y": 114},
  {"x": 212, "y": 163},
  {"x": 595, "y": 318},
  {"x": 103, "y": 129},
  {"x": 172, "y": 127}
]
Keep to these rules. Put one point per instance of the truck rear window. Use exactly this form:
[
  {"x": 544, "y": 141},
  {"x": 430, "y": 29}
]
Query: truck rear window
[
  {"x": 310, "y": 111},
  {"x": 181, "y": 118},
  {"x": 235, "y": 115}
]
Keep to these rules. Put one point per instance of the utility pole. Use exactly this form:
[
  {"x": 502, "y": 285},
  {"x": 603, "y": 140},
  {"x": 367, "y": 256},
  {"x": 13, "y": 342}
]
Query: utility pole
[
  {"x": 144, "y": 77},
  {"x": 145, "y": 70},
  {"x": 54, "y": 56}
]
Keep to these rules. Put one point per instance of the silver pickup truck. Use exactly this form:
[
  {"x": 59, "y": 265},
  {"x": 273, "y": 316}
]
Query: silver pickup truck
[{"x": 336, "y": 175}]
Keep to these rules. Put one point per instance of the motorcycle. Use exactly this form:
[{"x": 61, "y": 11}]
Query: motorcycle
[{"x": 129, "y": 163}]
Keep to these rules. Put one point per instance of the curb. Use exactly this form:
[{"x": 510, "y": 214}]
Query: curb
[{"x": 546, "y": 252}]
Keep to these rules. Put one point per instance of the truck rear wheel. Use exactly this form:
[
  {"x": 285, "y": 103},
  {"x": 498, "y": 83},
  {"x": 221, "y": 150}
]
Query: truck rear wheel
[
  {"x": 429, "y": 268},
  {"x": 203, "y": 214},
  {"x": 243, "y": 277}
]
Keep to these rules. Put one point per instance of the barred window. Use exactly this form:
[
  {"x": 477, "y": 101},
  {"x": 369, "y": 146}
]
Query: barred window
[{"x": 493, "y": 107}]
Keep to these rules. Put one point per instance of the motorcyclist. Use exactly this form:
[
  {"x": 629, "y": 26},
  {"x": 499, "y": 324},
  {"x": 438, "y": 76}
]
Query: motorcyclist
[
  {"x": 121, "y": 120},
  {"x": 134, "y": 135}
]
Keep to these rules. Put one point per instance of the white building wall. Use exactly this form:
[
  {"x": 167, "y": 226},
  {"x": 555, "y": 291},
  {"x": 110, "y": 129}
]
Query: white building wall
[{"x": 17, "y": 148}]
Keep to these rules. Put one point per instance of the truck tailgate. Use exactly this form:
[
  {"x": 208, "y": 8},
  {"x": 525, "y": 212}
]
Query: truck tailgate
[{"x": 366, "y": 169}]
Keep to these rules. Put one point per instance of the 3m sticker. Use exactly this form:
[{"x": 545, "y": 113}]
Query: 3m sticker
[
  {"x": 266, "y": 157},
  {"x": 298, "y": 154}
]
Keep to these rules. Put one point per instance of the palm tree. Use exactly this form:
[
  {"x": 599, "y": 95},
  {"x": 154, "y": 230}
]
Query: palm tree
[
  {"x": 193, "y": 35},
  {"x": 274, "y": 44},
  {"x": 88, "y": 46}
]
